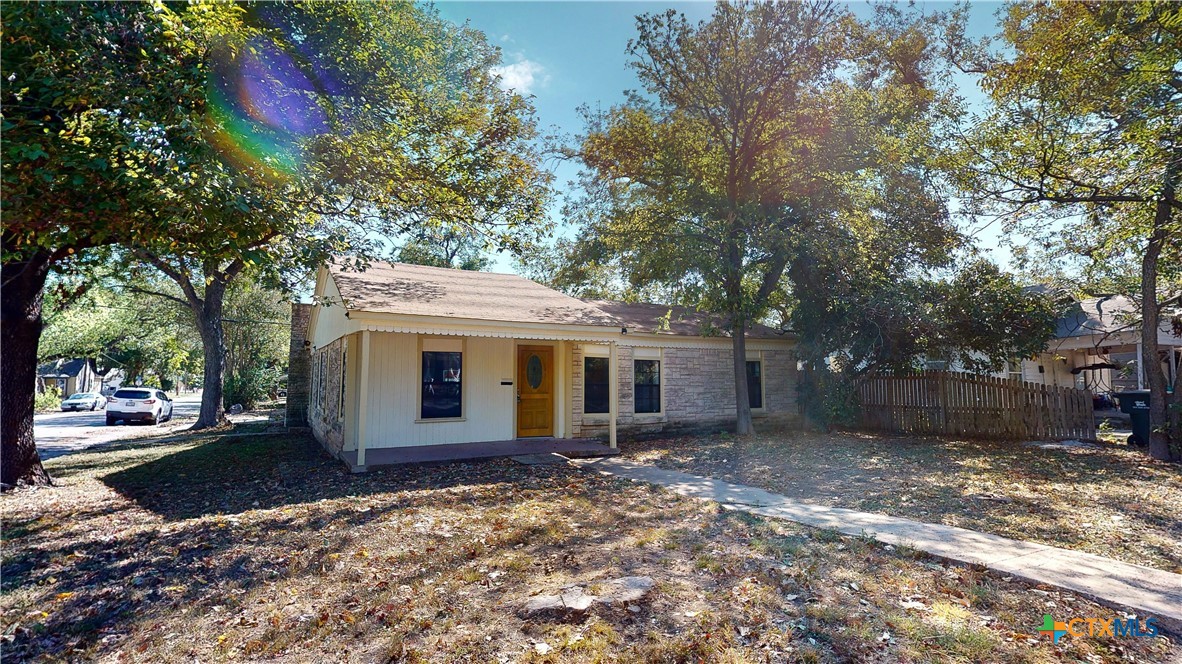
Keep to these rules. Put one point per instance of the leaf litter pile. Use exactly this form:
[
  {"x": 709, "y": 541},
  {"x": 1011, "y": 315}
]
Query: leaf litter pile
[
  {"x": 1109, "y": 500},
  {"x": 250, "y": 549}
]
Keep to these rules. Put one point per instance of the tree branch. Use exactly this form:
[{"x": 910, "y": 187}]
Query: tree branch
[
  {"x": 181, "y": 278},
  {"x": 145, "y": 291}
]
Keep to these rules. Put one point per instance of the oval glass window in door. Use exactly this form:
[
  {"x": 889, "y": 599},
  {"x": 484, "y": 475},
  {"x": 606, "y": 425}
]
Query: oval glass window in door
[{"x": 533, "y": 371}]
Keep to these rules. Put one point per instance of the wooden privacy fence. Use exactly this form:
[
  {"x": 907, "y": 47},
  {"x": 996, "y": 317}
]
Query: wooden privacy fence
[{"x": 961, "y": 404}]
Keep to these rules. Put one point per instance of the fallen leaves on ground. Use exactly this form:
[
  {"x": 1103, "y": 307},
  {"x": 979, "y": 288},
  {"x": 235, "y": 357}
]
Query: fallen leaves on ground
[
  {"x": 1111, "y": 500},
  {"x": 249, "y": 549}
]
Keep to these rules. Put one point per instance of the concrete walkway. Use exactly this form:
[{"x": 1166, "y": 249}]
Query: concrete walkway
[{"x": 1143, "y": 590}]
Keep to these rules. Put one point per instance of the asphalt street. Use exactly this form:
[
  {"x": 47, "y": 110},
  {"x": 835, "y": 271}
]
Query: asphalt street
[{"x": 61, "y": 433}]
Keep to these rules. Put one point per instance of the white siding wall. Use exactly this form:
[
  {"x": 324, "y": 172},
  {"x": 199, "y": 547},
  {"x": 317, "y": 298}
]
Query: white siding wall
[
  {"x": 331, "y": 323},
  {"x": 393, "y": 395},
  {"x": 1054, "y": 371}
]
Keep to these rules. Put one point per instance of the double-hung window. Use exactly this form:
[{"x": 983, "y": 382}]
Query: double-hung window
[
  {"x": 647, "y": 391},
  {"x": 323, "y": 387},
  {"x": 442, "y": 385},
  {"x": 596, "y": 374},
  {"x": 341, "y": 401},
  {"x": 755, "y": 383}
]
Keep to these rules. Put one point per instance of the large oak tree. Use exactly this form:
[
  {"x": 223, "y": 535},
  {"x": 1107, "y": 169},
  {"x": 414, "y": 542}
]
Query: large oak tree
[
  {"x": 1083, "y": 139},
  {"x": 98, "y": 100},
  {"x": 214, "y": 139},
  {"x": 756, "y": 129},
  {"x": 364, "y": 121}
]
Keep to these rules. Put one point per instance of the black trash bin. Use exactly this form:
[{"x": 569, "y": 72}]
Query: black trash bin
[{"x": 1136, "y": 404}]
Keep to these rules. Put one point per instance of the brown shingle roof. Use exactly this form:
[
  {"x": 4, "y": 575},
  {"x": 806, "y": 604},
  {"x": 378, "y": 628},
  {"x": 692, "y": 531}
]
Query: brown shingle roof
[
  {"x": 416, "y": 290},
  {"x": 399, "y": 288},
  {"x": 683, "y": 321}
]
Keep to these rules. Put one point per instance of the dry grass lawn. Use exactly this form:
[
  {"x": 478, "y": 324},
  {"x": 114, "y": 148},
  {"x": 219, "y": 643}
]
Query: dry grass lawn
[
  {"x": 260, "y": 548},
  {"x": 1113, "y": 501}
]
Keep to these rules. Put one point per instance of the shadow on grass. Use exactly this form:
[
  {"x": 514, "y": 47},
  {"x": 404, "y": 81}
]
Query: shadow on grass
[
  {"x": 104, "y": 580},
  {"x": 232, "y": 475}
]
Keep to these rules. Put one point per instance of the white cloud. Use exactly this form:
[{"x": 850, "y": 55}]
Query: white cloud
[{"x": 522, "y": 76}]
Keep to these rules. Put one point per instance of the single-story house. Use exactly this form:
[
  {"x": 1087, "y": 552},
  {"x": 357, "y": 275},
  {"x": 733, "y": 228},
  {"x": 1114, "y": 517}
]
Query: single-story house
[
  {"x": 68, "y": 376},
  {"x": 113, "y": 380},
  {"x": 406, "y": 356},
  {"x": 1097, "y": 347}
]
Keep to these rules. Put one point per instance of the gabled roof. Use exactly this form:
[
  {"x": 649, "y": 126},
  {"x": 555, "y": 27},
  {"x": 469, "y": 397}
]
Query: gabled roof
[
  {"x": 1110, "y": 314},
  {"x": 416, "y": 290},
  {"x": 399, "y": 288},
  {"x": 62, "y": 368},
  {"x": 1098, "y": 315}
]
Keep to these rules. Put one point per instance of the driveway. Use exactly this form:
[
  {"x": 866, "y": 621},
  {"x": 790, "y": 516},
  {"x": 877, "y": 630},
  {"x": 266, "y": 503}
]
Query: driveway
[{"x": 61, "y": 433}]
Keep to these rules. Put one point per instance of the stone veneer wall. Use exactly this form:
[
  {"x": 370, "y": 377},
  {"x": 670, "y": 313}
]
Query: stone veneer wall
[
  {"x": 299, "y": 366},
  {"x": 698, "y": 390},
  {"x": 324, "y": 402}
]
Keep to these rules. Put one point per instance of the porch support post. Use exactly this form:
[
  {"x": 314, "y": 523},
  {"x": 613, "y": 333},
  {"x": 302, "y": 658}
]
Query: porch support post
[
  {"x": 363, "y": 399},
  {"x": 1140, "y": 368},
  {"x": 613, "y": 388},
  {"x": 1174, "y": 366}
]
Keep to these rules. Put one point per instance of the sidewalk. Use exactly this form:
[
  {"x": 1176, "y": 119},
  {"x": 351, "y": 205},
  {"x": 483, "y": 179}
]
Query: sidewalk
[{"x": 1142, "y": 590}]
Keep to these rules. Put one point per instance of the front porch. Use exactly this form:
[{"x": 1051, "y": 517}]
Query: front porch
[{"x": 389, "y": 456}]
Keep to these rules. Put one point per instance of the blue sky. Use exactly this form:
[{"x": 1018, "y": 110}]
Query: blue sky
[{"x": 569, "y": 54}]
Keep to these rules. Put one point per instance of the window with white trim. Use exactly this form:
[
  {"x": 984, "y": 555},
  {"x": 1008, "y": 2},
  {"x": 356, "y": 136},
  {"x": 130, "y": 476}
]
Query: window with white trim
[
  {"x": 1014, "y": 370},
  {"x": 315, "y": 380},
  {"x": 341, "y": 403},
  {"x": 646, "y": 394},
  {"x": 596, "y": 385},
  {"x": 324, "y": 380}
]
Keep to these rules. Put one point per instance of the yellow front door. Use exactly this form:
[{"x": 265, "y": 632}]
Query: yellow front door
[{"x": 535, "y": 391}]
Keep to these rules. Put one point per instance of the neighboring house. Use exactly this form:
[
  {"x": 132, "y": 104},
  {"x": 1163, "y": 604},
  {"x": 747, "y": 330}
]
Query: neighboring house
[
  {"x": 1097, "y": 346},
  {"x": 113, "y": 380},
  {"x": 68, "y": 376},
  {"x": 406, "y": 355}
]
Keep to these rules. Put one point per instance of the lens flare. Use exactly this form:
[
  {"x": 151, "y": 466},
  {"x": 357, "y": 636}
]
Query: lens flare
[{"x": 262, "y": 108}]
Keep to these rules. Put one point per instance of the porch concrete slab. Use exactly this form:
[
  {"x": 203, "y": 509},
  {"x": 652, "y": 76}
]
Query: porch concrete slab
[
  {"x": 1142, "y": 590},
  {"x": 390, "y": 456}
]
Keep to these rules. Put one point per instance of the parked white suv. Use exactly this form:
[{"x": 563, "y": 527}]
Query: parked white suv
[{"x": 139, "y": 403}]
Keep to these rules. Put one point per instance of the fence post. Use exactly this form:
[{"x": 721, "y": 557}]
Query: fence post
[{"x": 942, "y": 395}]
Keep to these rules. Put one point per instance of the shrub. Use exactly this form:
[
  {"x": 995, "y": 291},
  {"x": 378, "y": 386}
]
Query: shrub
[
  {"x": 250, "y": 386},
  {"x": 50, "y": 399},
  {"x": 829, "y": 398}
]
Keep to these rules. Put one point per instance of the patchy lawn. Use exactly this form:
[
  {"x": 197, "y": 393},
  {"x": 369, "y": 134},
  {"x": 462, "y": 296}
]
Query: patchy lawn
[
  {"x": 221, "y": 549},
  {"x": 1111, "y": 500}
]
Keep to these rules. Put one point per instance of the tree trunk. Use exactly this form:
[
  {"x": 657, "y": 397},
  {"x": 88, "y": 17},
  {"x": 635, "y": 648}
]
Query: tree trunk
[
  {"x": 213, "y": 341},
  {"x": 743, "y": 424},
  {"x": 22, "y": 284},
  {"x": 1159, "y": 430}
]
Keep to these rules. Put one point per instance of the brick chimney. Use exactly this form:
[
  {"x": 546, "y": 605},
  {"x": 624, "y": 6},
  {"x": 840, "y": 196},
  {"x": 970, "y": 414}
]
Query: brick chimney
[{"x": 299, "y": 367}]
